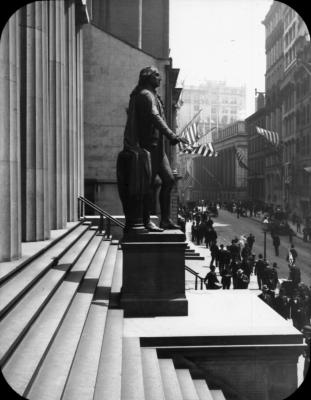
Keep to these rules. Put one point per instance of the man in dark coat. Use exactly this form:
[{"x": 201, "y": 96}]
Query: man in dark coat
[
  {"x": 259, "y": 269},
  {"x": 211, "y": 280},
  {"x": 145, "y": 129},
  {"x": 276, "y": 243},
  {"x": 250, "y": 241}
]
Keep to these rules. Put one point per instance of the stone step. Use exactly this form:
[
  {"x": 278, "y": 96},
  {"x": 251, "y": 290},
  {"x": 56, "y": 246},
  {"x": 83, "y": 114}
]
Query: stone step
[
  {"x": 202, "y": 389},
  {"x": 82, "y": 378},
  {"x": 186, "y": 384},
  {"x": 10, "y": 268},
  {"x": 194, "y": 257},
  {"x": 116, "y": 281},
  {"x": 14, "y": 325},
  {"x": 132, "y": 387},
  {"x": 152, "y": 375},
  {"x": 192, "y": 254},
  {"x": 22, "y": 366},
  {"x": 218, "y": 395},
  {"x": 105, "y": 281},
  {"x": 170, "y": 381},
  {"x": 108, "y": 382},
  {"x": 12, "y": 289},
  {"x": 189, "y": 250}
]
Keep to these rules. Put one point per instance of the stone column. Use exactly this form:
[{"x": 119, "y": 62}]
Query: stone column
[
  {"x": 72, "y": 139},
  {"x": 63, "y": 77},
  {"x": 10, "y": 243},
  {"x": 45, "y": 116}
]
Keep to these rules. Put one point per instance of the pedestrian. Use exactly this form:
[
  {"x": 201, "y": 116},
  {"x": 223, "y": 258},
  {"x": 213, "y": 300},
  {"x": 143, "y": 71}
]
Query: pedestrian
[
  {"x": 246, "y": 267},
  {"x": 297, "y": 310},
  {"x": 214, "y": 253},
  {"x": 234, "y": 267},
  {"x": 234, "y": 249},
  {"x": 282, "y": 303},
  {"x": 266, "y": 296},
  {"x": 226, "y": 275},
  {"x": 242, "y": 280},
  {"x": 246, "y": 251},
  {"x": 221, "y": 258},
  {"x": 193, "y": 232},
  {"x": 250, "y": 241},
  {"x": 270, "y": 276},
  {"x": 294, "y": 275},
  {"x": 276, "y": 243},
  {"x": 211, "y": 280},
  {"x": 292, "y": 255},
  {"x": 259, "y": 269}
]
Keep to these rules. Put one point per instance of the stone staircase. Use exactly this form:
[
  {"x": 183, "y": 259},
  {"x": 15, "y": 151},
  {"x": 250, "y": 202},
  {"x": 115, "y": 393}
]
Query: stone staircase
[{"x": 62, "y": 331}]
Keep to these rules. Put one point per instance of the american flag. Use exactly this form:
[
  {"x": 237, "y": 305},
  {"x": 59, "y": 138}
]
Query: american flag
[
  {"x": 190, "y": 132},
  {"x": 205, "y": 150},
  {"x": 272, "y": 137}
]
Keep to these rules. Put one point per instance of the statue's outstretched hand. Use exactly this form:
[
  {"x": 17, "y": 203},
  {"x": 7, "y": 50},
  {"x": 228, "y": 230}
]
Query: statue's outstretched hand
[{"x": 183, "y": 140}]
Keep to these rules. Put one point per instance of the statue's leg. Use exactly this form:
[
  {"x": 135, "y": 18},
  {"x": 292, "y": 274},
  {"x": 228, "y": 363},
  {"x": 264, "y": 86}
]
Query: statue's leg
[{"x": 168, "y": 181}]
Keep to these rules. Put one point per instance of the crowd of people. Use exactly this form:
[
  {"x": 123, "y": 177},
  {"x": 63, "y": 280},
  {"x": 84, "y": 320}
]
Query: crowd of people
[{"x": 233, "y": 265}]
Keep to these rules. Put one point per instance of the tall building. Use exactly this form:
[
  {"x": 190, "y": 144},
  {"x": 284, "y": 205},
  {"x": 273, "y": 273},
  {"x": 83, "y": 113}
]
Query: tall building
[
  {"x": 220, "y": 104},
  {"x": 279, "y": 175}
]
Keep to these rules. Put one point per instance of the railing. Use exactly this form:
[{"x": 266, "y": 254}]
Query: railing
[
  {"x": 197, "y": 277},
  {"x": 105, "y": 219}
]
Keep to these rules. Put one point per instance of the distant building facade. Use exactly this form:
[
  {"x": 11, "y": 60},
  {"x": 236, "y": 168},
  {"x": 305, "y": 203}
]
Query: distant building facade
[
  {"x": 220, "y": 178},
  {"x": 220, "y": 104}
]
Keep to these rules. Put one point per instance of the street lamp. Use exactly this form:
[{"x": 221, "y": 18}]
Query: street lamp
[{"x": 265, "y": 228}]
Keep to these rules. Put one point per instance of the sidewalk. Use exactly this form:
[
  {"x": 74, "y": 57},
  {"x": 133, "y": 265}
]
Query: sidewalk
[{"x": 202, "y": 266}]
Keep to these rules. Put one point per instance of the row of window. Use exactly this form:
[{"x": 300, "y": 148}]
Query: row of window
[
  {"x": 303, "y": 115},
  {"x": 274, "y": 53},
  {"x": 289, "y": 56},
  {"x": 304, "y": 145},
  {"x": 303, "y": 87},
  {"x": 290, "y": 35}
]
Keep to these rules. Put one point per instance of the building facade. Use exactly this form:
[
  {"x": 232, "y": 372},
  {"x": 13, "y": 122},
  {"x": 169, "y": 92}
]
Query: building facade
[
  {"x": 41, "y": 131},
  {"x": 220, "y": 178},
  {"x": 117, "y": 45}
]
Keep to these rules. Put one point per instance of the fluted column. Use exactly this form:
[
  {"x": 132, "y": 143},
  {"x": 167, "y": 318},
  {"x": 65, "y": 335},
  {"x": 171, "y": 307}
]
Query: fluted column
[
  {"x": 10, "y": 233},
  {"x": 72, "y": 150}
]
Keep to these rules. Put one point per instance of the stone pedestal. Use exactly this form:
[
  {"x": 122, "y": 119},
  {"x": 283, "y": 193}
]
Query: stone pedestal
[{"x": 154, "y": 274}]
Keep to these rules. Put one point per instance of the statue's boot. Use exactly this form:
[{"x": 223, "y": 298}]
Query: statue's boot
[{"x": 152, "y": 227}]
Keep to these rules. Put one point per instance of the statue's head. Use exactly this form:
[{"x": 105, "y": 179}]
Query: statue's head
[{"x": 151, "y": 76}]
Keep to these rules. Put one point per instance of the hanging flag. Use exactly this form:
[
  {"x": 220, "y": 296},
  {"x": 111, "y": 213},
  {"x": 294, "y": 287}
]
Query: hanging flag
[
  {"x": 241, "y": 158},
  {"x": 190, "y": 132},
  {"x": 272, "y": 137},
  {"x": 307, "y": 169},
  {"x": 205, "y": 150}
]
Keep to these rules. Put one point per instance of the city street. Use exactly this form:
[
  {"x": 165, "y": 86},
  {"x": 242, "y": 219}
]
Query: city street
[{"x": 229, "y": 226}]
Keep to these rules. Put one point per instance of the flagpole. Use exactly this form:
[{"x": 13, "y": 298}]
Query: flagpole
[{"x": 190, "y": 122}]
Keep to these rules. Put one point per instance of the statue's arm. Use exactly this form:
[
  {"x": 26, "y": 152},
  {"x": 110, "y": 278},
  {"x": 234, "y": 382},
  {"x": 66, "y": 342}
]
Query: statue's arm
[{"x": 149, "y": 104}]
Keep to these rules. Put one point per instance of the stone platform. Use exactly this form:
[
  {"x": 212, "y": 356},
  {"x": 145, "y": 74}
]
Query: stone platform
[{"x": 231, "y": 338}]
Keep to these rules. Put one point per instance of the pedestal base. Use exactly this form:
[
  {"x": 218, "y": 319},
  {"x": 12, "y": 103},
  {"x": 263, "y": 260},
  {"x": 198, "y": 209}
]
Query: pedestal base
[{"x": 154, "y": 275}]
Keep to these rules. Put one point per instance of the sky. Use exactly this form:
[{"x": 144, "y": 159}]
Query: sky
[{"x": 220, "y": 40}]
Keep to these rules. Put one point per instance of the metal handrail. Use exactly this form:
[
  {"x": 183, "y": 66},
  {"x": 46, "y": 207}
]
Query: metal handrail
[
  {"x": 103, "y": 215},
  {"x": 197, "y": 276}
]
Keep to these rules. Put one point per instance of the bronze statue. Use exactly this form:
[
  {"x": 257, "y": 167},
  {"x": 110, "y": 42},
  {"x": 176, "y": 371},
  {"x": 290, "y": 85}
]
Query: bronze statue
[{"x": 143, "y": 156}]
